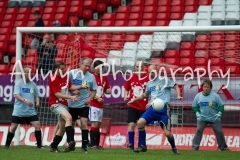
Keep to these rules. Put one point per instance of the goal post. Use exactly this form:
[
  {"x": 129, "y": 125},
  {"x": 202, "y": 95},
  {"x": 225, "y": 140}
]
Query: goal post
[{"x": 183, "y": 53}]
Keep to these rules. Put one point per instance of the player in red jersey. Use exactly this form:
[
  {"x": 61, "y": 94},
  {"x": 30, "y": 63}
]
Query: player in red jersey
[
  {"x": 58, "y": 103},
  {"x": 134, "y": 87},
  {"x": 96, "y": 105}
]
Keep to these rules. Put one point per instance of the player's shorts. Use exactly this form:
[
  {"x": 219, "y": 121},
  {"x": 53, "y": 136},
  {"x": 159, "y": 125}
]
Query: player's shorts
[
  {"x": 79, "y": 112},
  {"x": 58, "y": 109},
  {"x": 24, "y": 120},
  {"x": 164, "y": 118},
  {"x": 134, "y": 115},
  {"x": 95, "y": 114}
]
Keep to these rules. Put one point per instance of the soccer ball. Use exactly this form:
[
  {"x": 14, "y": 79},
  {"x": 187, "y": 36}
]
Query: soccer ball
[{"x": 158, "y": 104}]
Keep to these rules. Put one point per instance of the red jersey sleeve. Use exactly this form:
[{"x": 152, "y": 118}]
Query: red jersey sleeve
[
  {"x": 127, "y": 85},
  {"x": 55, "y": 88},
  {"x": 107, "y": 86},
  {"x": 69, "y": 84}
]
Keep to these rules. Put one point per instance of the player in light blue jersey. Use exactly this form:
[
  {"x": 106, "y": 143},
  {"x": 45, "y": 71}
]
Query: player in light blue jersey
[
  {"x": 26, "y": 99},
  {"x": 81, "y": 77},
  {"x": 208, "y": 107},
  {"x": 157, "y": 87}
]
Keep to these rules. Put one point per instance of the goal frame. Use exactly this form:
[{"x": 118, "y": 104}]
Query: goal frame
[{"x": 20, "y": 30}]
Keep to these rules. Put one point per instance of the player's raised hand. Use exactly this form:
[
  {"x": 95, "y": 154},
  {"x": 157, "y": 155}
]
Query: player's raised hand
[
  {"x": 74, "y": 98},
  {"x": 37, "y": 105},
  {"x": 87, "y": 101},
  {"x": 126, "y": 99},
  {"x": 29, "y": 103}
]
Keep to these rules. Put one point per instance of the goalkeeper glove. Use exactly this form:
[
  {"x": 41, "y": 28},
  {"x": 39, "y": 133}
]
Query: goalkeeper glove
[
  {"x": 198, "y": 116},
  {"x": 218, "y": 116}
]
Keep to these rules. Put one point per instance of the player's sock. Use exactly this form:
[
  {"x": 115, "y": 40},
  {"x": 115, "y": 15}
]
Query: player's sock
[
  {"x": 94, "y": 136},
  {"x": 57, "y": 139},
  {"x": 142, "y": 136},
  {"x": 172, "y": 142},
  {"x": 98, "y": 138},
  {"x": 9, "y": 138},
  {"x": 139, "y": 141},
  {"x": 84, "y": 138},
  {"x": 38, "y": 135},
  {"x": 131, "y": 137},
  {"x": 70, "y": 133}
]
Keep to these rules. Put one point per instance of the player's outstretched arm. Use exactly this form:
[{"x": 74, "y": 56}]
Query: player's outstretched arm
[
  {"x": 73, "y": 87},
  {"x": 60, "y": 95},
  {"x": 143, "y": 96},
  {"x": 178, "y": 92},
  {"x": 126, "y": 92}
]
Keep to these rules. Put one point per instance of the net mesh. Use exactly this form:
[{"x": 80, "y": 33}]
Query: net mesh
[{"x": 187, "y": 57}]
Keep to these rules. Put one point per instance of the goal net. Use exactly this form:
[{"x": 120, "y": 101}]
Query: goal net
[{"x": 186, "y": 55}]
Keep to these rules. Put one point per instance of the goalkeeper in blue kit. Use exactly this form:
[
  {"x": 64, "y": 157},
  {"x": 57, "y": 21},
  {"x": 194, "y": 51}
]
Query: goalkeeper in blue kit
[{"x": 208, "y": 107}]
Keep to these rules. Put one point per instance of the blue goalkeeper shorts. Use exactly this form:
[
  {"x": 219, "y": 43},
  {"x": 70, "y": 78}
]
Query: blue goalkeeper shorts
[{"x": 163, "y": 117}]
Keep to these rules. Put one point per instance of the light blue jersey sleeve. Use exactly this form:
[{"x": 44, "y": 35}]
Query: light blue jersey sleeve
[
  {"x": 170, "y": 83},
  {"x": 36, "y": 92},
  {"x": 93, "y": 85},
  {"x": 17, "y": 88},
  {"x": 148, "y": 92}
]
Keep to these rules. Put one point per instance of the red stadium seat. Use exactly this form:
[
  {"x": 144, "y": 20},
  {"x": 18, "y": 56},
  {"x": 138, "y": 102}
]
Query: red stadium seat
[
  {"x": 63, "y": 3},
  {"x": 136, "y": 9},
  {"x": 177, "y": 3},
  {"x": 94, "y": 23},
  {"x": 11, "y": 11},
  {"x": 76, "y": 3},
  {"x": 123, "y": 9},
  {"x": 62, "y": 18},
  {"x": 5, "y": 31},
  {"x": 122, "y": 16},
  {"x": 107, "y": 23},
  {"x": 186, "y": 54},
  {"x": 186, "y": 62},
  {"x": 7, "y": 24},
  {"x": 201, "y": 46},
  {"x": 231, "y": 61},
  {"x": 115, "y": 2},
  {"x": 191, "y": 2},
  {"x": 157, "y": 61},
  {"x": 48, "y": 17},
  {"x": 149, "y": 16},
  {"x": 215, "y": 53},
  {"x": 116, "y": 45},
  {"x": 217, "y": 38},
  {"x": 137, "y": 3},
  {"x": 30, "y": 61},
  {"x": 1, "y": 56},
  {"x": 4, "y": 38},
  {"x": 150, "y": 9},
  {"x": 148, "y": 22},
  {"x": 231, "y": 45},
  {"x": 176, "y": 16},
  {"x": 231, "y": 38},
  {"x": 51, "y": 4},
  {"x": 4, "y": 69},
  {"x": 20, "y": 23},
  {"x": 231, "y": 54},
  {"x": 203, "y": 37},
  {"x": 234, "y": 69},
  {"x": 164, "y": 3},
  {"x": 101, "y": 7},
  {"x": 63, "y": 38},
  {"x": 161, "y": 23},
  {"x": 62, "y": 53},
  {"x": 2, "y": 11},
  {"x": 89, "y": 4},
  {"x": 22, "y": 17},
  {"x": 11, "y": 48},
  {"x": 163, "y": 9},
  {"x": 27, "y": 41},
  {"x": 187, "y": 45},
  {"x": 172, "y": 54},
  {"x": 73, "y": 20},
  {"x": 31, "y": 17},
  {"x": 216, "y": 45},
  {"x": 88, "y": 53},
  {"x": 134, "y": 23},
  {"x": 13, "y": 30},
  {"x": 12, "y": 38},
  {"x": 3, "y": 46},
  {"x": 62, "y": 10},
  {"x": 131, "y": 37},
  {"x": 216, "y": 68},
  {"x": 3, "y": 4},
  {"x": 40, "y": 9},
  {"x": 190, "y": 9},
  {"x": 49, "y": 10},
  {"x": 101, "y": 54},
  {"x": 119, "y": 23},
  {"x": 47, "y": 23},
  {"x": 217, "y": 33},
  {"x": 201, "y": 62},
  {"x": 24, "y": 10},
  {"x": 118, "y": 37},
  {"x": 87, "y": 13},
  {"x": 104, "y": 37},
  {"x": 164, "y": 16},
  {"x": 32, "y": 53},
  {"x": 13, "y": 60},
  {"x": 150, "y": 3},
  {"x": 172, "y": 61},
  {"x": 201, "y": 53},
  {"x": 91, "y": 37},
  {"x": 204, "y": 2},
  {"x": 217, "y": 61},
  {"x": 9, "y": 17},
  {"x": 177, "y": 9},
  {"x": 135, "y": 16},
  {"x": 108, "y": 16},
  {"x": 75, "y": 11}
]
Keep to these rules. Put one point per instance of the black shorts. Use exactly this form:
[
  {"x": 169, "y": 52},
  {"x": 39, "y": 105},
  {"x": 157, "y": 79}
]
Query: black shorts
[
  {"x": 79, "y": 112},
  {"x": 24, "y": 120},
  {"x": 134, "y": 114}
]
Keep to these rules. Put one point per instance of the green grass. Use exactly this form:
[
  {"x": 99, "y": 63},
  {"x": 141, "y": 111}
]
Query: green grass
[{"x": 31, "y": 153}]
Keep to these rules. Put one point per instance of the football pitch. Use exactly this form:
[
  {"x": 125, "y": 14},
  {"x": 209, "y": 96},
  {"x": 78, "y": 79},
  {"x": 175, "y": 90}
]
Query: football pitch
[{"x": 31, "y": 153}]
